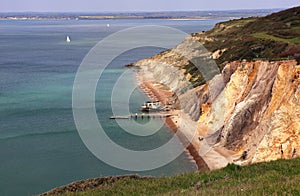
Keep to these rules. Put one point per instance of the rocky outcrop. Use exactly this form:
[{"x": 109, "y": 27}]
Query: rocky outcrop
[
  {"x": 258, "y": 111},
  {"x": 251, "y": 108},
  {"x": 281, "y": 120}
]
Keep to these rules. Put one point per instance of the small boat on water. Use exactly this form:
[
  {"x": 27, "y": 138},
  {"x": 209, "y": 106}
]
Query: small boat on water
[{"x": 68, "y": 40}]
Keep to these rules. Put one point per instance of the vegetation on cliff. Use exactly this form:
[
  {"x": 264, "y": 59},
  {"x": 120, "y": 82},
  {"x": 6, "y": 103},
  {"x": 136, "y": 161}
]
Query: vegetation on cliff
[
  {"x": 269, "y": 38},
  {"x": 273, "y": 178},
  {"x": 274, "y": 37}
]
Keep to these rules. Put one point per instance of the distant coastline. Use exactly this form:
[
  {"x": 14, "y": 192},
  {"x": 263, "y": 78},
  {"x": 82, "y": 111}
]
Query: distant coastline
[{"x": 168, "y": 15}]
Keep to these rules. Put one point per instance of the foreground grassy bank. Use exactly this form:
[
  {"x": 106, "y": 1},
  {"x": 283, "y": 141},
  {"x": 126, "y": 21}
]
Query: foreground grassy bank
[{"x": 277, "y": 177}]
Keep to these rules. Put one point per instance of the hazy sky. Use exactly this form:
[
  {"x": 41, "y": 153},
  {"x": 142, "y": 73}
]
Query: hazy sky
[{"x": 138, "y": 5}]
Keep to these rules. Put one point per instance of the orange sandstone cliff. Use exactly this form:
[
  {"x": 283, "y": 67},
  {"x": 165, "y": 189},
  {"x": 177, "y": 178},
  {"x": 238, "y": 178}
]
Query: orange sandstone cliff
[{"x": 248, "y": 110}]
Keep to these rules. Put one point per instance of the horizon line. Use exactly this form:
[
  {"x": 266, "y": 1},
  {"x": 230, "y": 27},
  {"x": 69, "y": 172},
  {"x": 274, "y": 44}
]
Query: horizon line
[{"x": 149, "y": 11}]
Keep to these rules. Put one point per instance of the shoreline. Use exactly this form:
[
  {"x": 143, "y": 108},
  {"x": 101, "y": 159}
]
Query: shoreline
[{"x": 156, "y": 92}]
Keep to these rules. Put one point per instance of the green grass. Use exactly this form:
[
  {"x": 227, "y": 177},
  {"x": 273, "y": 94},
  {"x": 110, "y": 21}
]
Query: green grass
[
  {"x": 271, "y": 37},
  {"x": 280, "y": 177},
  {"x": 297, "y": 29}
]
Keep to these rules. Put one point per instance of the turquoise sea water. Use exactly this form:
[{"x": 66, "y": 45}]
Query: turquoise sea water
[{"x": 39, "y": 146}]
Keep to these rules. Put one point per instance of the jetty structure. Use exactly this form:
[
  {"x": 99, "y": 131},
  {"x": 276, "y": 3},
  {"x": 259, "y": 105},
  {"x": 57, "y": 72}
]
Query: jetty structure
[{"x": 143, "y": 116}]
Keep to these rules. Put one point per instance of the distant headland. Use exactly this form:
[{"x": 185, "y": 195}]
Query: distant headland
[{"x": 172, "y": 15}]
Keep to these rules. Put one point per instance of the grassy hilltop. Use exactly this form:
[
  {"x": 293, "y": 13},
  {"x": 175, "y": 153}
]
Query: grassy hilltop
[
  {"x": 274, "y": 37},
  {"x": 273, "y": 178}
]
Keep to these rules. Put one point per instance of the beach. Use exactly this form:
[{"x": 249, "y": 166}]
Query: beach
[{"x": 159, "y": 92}]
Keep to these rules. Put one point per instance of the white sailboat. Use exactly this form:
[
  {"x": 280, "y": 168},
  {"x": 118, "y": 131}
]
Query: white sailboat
[{"x": 68, "y": 40}]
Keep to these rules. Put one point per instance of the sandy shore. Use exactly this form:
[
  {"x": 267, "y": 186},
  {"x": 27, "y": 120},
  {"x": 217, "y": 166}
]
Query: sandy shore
[{"x": 159, "y": 92}]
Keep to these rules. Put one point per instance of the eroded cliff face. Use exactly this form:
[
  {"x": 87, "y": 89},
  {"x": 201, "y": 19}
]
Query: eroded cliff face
[
  {"x": 258, "y": 111},
  {"x": 251, "y": 107},
  {"x": 281, "y": 121},
  {"x": 184, "y": 69}
]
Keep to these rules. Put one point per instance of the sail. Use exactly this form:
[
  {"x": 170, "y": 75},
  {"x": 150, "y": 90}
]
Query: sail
[{"x": 68, "y": 39}]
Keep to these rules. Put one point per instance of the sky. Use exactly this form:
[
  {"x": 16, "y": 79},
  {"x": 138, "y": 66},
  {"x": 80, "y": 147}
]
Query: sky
[{"x": 138, "y": 5}]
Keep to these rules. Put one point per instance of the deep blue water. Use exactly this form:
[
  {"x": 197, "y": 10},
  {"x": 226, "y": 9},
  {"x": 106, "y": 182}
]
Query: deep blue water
[{"x": 39, "y": 146}]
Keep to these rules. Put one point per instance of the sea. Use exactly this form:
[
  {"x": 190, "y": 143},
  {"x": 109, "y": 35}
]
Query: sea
[{"x": 40, "y": 147}]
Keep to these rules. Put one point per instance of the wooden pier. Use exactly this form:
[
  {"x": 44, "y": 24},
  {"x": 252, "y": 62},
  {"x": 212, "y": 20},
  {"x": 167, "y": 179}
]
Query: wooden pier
[{"x": 143, "y": 116}]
